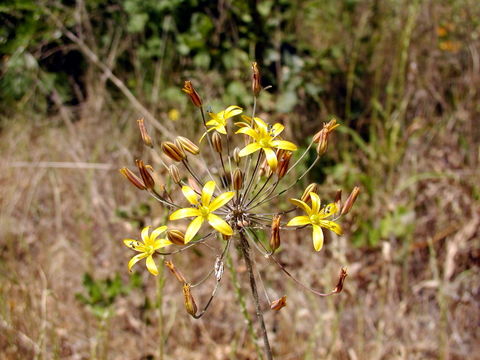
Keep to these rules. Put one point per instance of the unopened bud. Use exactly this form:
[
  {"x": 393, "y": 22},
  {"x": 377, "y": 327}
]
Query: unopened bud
[
  {"x": 283, "y": 162},
  {"x": 256, "y": 86},
  {"x": 217, "y": 142},
  {"x": 145, "y": 174},
  {"x": 279, "y": 303},
  {"x": 174, "y": 173},
  {"x": 313, "y": 187},
  {"x": 236, "y": 156},
  {"x": 237, "y": 179},
  {"x": 134, "y": 179},
  {"x": 175, "y": 272},
  {"x": 176, "y": 236},
  {"x": 180, "y": 148},
  {"x": 172, "y": 151},
  {"x": 147, "y": 140},
  {"x": 190, "y": 305},
  {"x": 275, "y": 233},
  {"x": 192, "y": 93},
  {"x": 321, "y": 137},
  {"x": 341, "y": 280},
  {"x": 350, "y": 200},
  {"x": 265, "y": 169},
  {"x": 187, "y": 145}
]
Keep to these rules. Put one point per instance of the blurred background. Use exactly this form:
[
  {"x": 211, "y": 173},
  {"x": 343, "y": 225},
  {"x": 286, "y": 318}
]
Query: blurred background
[{"x": 401, "y": 76}]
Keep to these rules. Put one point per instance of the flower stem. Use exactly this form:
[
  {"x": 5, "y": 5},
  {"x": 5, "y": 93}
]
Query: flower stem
[{"x": 253, "y": 285}]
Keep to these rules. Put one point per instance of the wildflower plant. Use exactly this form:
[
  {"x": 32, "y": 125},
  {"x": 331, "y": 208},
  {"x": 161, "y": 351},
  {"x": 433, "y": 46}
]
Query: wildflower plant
[{"x": 227, "y": 190}]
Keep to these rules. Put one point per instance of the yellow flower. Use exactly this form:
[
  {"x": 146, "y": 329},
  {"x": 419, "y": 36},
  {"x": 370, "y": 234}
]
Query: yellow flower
[
  {"x": 264, "y": 139},
  {"x": 218, "y": 121},
  {"x": 147, "y": 248},
  {"x": 203, "y": 210},
  {"x": 316, "y": 218}
]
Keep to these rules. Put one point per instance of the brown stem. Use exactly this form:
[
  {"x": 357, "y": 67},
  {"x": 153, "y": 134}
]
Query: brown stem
[{"x": 246, "y": 255}]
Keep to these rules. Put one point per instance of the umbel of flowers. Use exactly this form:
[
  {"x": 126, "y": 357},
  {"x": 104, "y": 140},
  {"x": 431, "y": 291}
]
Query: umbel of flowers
[{"x": 227, "y": 187}]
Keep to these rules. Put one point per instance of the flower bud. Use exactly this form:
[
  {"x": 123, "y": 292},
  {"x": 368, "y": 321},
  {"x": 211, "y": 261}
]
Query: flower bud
[
  {"x": 275, "y": 233},
  {"x": 279, "y": 303},
  {"x": 172, "y": 151},
  {"x": 180, "y": 148},
  {"x": 147, "y": 140},
  {"x": 256, "y": 86},
  {"x": 236, "y": 156},
  {"x": 192, "y": 93},
  {"x": 176, "y": 236},
  {"x": 313, "y": 187},
  {"x": 321, "y": 137},
  {"x": 217, "y": 142},
  {"x": 283, "y": 162},
  {"x": 350, "y": 200},
  {"x": 134, "y": 179},
  {"x": 145, "y": 174},
  {"x": 187, "y": 145},
  {"x": 265, "y": 169},
  {"x": 190, "y": 305},
  {"x": 237, "y": 179},
  {"x": 175, "y": 272},
  {"x": 174, "y": 173},
  {"x": 341, "y": 279}
]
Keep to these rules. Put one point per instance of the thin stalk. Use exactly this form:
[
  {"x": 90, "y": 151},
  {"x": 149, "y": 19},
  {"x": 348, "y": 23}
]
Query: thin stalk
[
  {"x": 247, "y": 189},
  {"x": 161, "y": 325}
]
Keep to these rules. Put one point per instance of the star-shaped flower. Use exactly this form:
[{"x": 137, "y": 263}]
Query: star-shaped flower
[
  {"x": 147, "y": 247},
  {"x": 218, "y": 121},
  {"x": 316, "y": 218},
  {"x": 203, "y": 210}
]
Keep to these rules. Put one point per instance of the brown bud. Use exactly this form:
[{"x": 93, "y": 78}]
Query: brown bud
[
  {"x": 174, "y": 173},
  {"x": 279, "y": 303},
  {"x": 321, "y": 137},
  {"x": 338, "y": 198},
  {"x": 192, "y": 93},
  {"x": 275, "y": 233},
  {"x": 237, "y": 179},
  {"x": 172, "y": 151},
  {"x": 217, "y": 142},
  {"x": 313, "y": 187},
  {"x": 134, "y": 179},
  {"x": 147, "y": 140},
  {"x": 190, "y": 305},
  {"x": 265, "y": 169},
  {"x": 187, "y": 145},
  {"x": 145, "y": 174},
  {"x": 341, "y": 280},
  {"x": 350, "y": 200},
  {"x": 256, "y": 86},
  {"x": 236, "y": 156},
  {"x": 176, "y": 236},
  {"x": 283, "y": 162},
  {"x": 175, "y": 272}
]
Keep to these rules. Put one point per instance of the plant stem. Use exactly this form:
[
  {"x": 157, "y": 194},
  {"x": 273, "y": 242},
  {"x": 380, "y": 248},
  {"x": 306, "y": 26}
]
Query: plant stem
[{"x": 248, "y": 262}]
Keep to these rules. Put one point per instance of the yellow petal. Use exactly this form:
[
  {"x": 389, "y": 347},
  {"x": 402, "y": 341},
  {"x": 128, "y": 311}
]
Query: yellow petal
[
  {"x": 299, "y": 221},
  {"x": 212, "y": 122},
  {"x": 151, "y": 266},
  {"x": 330, "y": 225},
  {"x": 134, "y": 244},
  {"x": 231, "y": 111},
  {"x": 247, "y": 131},
  {"x": 302, "y": 205},
  {"x": 207, "y": 192},
  {"x": 190, "y": 195},
  {"x": 317, "y": 237},
  {"x": 145, "y": 233},
  {"x": 277, "y": 129},
  {"x": 250, "y": 148},
  {"x": 285, "y": 145},
  {"x": 261, "y": 124},
  {"x": 219, "y": 224},
  {"x": 155, "y": 233},
  {"x": 329, "y": 210},
  {"x": 221, "y": 129},
  {"x": 183, "y": 213},
  {"x": 193, "y": 229},
  {"x": 271, "y": 158},
  {"x": 136, "y": 259},
  {"x": 161, "y": 243},
  {"x": 221, "y": 200},
  {"x": 315, "y": 202}
]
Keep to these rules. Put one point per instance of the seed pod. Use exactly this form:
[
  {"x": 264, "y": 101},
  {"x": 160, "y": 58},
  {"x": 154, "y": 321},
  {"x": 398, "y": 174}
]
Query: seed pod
[
  {"x": 187, "y": 145},
  {"x": 217, "y": 142},
  {"x": 190, "y": 305},
  {"x": 256, "y": 86},
  {"x": 172, "y": 151},
  {"x": 350, "y": 200},
  {"x": 192, "y": 93},
  {"x": 147, "y": 140},
  {"x": 236, "y": 156},
  {"x": 174, "y": 173},
  {"x": 279, "y": 303},
  {"x": 313, "y": 187},
  {"x": 275, "y": 233},
  {"x": 145, "y": 174},
  {"x": 237, "y": 179},
  {"x": 175, "y": 272},
  {"x": 341, "y": 279},
  {"x": 176, "y": 236},
  {"x": 283, "y": 162},
  {"x": 134, "y": 179}
]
